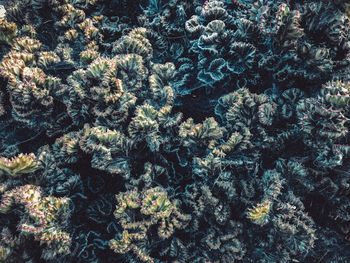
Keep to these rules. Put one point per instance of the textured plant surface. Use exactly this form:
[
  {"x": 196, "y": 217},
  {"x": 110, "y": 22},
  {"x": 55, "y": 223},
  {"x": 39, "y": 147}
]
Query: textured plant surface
[{"x": 174, "y": 131}]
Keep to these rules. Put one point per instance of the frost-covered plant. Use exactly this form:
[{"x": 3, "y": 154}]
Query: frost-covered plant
[
  {"x": 155, "y": 211},
  {"x": 174, "y": 131}
]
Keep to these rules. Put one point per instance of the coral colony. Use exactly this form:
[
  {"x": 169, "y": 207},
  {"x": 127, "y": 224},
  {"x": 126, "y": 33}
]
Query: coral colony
[{"x": 174, "y": 131}]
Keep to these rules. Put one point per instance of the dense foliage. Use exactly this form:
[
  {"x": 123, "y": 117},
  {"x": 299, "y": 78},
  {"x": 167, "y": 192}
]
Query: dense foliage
[{"x": 174, "y": 131}]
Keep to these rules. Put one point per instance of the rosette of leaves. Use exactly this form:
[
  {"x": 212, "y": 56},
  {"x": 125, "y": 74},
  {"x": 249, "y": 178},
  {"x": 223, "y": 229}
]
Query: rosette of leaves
[
  {"x": 154, "y": 120},
  {"x": 109, "y": 88},
  {"x": 98, "y": 91},
  {"x": 286, "y": 220},
  {"x": 80, "y": 39},
  {"x": 57, "y": 176},
  {"x": 17, "y": 170},
  {"x": 282, "y": 215},
  {"x": 136, "y": 42},
  {"x": 323, "y": 127},
  {"x": 255, "y": 116},
  {"x": 318, "y": 19},
  {"x": 195, "y": 139},
  {"x": 299, "y": 34},
  {"x": 139, "y": 214},
  {"x": 220, "y": 181},
  {"x": 214, "y": 231},
  {"x": 41, "y": 217},
  {"x": 220, "y": 55},
  {"x": 109, "y": 149},
  {"x": 169, "y": 17},
  {"x": 29, "y": 88}
]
